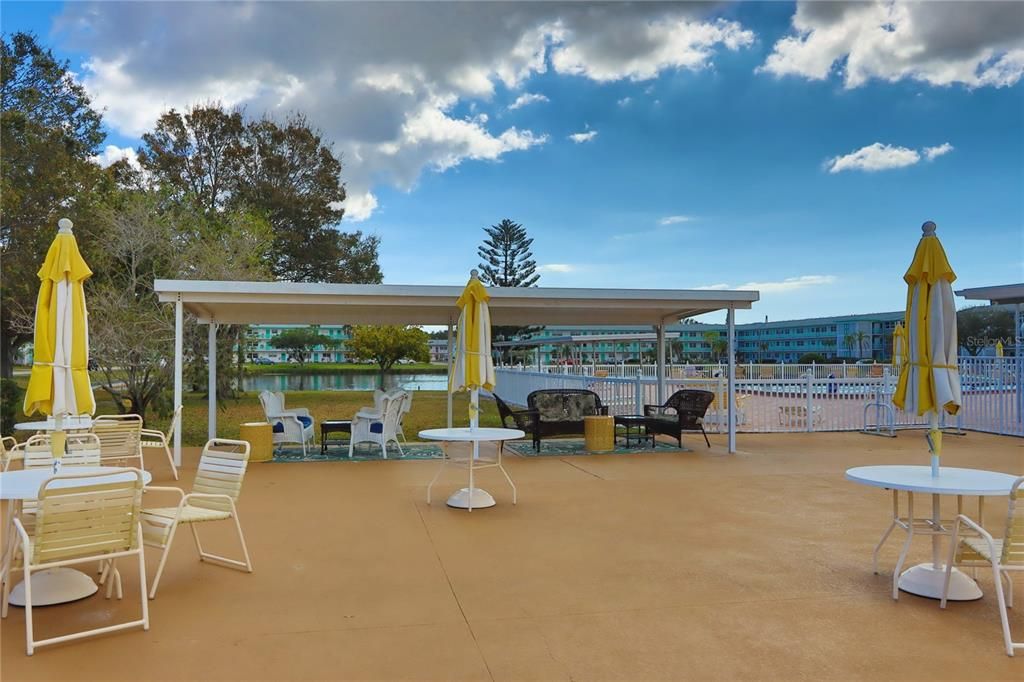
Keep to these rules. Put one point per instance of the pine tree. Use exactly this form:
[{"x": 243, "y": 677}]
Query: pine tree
[
  {"x": 508, "y": 262},
  {"x": 507, "y": 259}
]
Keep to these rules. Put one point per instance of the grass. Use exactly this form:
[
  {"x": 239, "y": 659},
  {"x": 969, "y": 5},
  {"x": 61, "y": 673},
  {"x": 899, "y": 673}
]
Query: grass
[
  {"x": 429, "y": 411},
  {"x": 340, "y": 368}
]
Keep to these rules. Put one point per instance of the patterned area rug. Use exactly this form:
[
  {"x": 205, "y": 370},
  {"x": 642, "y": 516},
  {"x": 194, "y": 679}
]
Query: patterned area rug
[
  {"x": 560, "y": 447},
  {"x": 337, "y": 451}
]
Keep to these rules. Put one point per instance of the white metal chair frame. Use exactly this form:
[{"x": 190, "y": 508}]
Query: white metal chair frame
[
  {"x": 8, "y": 448},
  {"x": 121, "y": 436},
  {"x": 294, "y": 430},
  {"x": 974, "y": 547},
  {"x": 152, "y": 438},
  {"x": 406, "y": 408},
  {"x": 59, "y": 538},
  {"x": 364, "y": 421},
  {"x": 215, "y": 492}
]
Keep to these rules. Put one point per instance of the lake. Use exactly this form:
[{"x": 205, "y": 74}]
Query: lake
[{"x": 346, "y": 381}]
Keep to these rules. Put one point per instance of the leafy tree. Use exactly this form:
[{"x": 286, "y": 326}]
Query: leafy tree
[
  {"x": 507, "y": 258},
  {"x": 218, "y": 161},
  {"x": 385, "y": 345},
  {"x": 301, "y": 342},
  {"x": 981, "y": 326},
  {"x": 716, "y": 343},
  {"x": 48, "y": 132}
]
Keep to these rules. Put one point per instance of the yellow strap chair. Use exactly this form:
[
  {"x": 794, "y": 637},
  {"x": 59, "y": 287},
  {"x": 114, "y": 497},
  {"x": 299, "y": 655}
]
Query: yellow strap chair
[
  {"x": 215, "y": 491},
  {"x": 120, "y": 436},
  {"x": 81, "y": 518},
  {"x": 973, "y": 546},
  {"x": 151, "y": 438}
]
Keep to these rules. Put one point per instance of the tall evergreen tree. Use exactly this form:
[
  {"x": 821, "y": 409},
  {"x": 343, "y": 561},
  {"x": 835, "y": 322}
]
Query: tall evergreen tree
[
  {"x": 508, "y": 262},
  {"x": 507, "y": 258}
]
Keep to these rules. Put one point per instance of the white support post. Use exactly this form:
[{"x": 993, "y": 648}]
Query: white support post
[
  {"x": 178, "y": 361},
  {"x": 661, "y": 363},
  {"x": 451, "y": 361},
  {"x": 211, "y": 390},
  {"x": 731, "y": 393}
]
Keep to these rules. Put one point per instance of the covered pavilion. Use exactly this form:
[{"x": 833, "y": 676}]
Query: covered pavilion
[{"x": 230, "y": 302}]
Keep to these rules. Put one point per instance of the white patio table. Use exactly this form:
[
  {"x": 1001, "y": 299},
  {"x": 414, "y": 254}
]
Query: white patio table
[
  {"x": 926, "y": 580},
  {"x": 472, "y": 497},
  {"x": 52, "y": 585},
  {"x": 82, "y": 423}
]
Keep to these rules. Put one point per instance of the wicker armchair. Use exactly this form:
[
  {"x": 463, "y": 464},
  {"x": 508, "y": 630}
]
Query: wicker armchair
[
  {"x": 560, "y": 411},
  {"x": 520, "y": 419},
  {"x": 683, "y": 412}
]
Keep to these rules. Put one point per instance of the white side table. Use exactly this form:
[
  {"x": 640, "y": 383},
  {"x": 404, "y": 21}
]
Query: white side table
[
  {"x": 52, "y": 585},
  {"x": 926, "y": 580},
  {"x": 472, "y": 497}
]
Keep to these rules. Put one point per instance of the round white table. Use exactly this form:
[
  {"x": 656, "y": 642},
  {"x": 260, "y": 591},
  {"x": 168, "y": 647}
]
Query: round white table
[
  {"x": 81, "y": 423},
  {"x": 927, "y": 579},
  {"x": 52, "y": 585},
  {"x": 472, "y": 497}
]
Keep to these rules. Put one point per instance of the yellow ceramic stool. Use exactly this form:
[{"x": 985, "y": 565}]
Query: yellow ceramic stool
[
  {"x": 599, "y": 433},
  {"x": 260, "y": 437}
]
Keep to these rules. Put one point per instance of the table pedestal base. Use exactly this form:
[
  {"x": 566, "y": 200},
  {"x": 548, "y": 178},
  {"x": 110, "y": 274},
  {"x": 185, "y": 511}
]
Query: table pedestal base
[
  {"x": 925, "y": 580},
  {"x": 471, "y": 498},
  {"x": 54, "y": 586}
]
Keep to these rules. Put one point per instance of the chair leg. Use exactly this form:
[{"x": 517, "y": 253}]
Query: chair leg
[
  {"x": 28, "y": 609},
  {"x": 399, "y": 446},
  {"x": 705, "y": 435},
  {"x": 142, "y": 579},
  {"x": 241, "y": 540},
  {"x": 170, "y": 460},
  {"x": 163, "y": 561},
  {"x": 1003, "y": 617}
]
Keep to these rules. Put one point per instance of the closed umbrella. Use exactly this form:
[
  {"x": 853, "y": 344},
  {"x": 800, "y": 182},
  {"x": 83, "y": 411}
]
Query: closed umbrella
[
  {"x": 931, "y": 380},
  {"x": 899, "y": 347},
  {"x": 59, "y": 385},
  {"x": 999, "y": 348},
  {"x": 472, "y": 370},
  {"x": 930, "y": 383}
]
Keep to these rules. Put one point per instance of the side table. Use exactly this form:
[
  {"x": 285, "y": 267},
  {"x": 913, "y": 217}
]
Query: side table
[{"x": 333, "y": 426}]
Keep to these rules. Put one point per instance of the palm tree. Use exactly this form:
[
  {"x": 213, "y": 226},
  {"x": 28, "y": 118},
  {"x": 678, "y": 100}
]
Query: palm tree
[
  {"x": 859, "y": 336},
  {"x": 850, "y": 341},
  {"x": 764, "y": 349}
]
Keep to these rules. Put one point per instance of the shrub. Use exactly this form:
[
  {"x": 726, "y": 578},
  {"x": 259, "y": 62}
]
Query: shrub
[
  {"x": 808, "y": 358},
  {"x": 10, "y": 405}
]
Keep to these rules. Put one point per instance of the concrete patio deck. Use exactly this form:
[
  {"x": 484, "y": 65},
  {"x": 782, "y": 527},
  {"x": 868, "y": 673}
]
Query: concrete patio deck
[{"x": 697, "y": 565}]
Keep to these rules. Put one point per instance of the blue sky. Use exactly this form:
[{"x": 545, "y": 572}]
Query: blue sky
[{"x": 711, "y": 140}]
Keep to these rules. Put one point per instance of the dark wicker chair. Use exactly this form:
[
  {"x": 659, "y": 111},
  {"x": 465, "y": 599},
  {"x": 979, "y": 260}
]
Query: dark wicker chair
[
  {"x": 520, "y": 419},
  {"x": 683, "y": 412},
  {"x": 560, "y": 411}
]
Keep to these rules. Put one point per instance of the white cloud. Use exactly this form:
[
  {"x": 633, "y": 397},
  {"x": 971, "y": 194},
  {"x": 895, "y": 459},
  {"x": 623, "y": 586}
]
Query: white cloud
[
  {"x": 641, "y": 50},
  {"x": 624, "y": 102},
  {"x": 931, "y": 153},
  {"x": 781, "y": 287},
  {"x": 874, "y": 157},
  {"x": 527, "y": 98},
  {"x": 580, "y": 138},
  {"x": 975, "y": 44},
  {"x": 359, "y": 206},
  {"x": 674, "y": 219},
  {"x": 557, "y": 267},
  {"x": 111, "y": 154},
  {"x": 382, "y": 85},
  {"x": 878, "y": 156}
]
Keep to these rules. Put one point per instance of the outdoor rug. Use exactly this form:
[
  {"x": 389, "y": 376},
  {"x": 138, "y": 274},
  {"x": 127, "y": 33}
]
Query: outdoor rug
[
  {"x": 561, "y": 447},
  {"x": 337, "y": 451}
]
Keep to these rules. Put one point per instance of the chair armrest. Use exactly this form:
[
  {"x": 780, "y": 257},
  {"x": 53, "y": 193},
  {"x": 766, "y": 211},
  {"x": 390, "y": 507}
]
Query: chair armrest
[
  {"x": 525, "y": 420},
  {"x": 164, "y": 489},
  {"x": 301, "y": 411},
  {"x": 25, "y": 542},
  {"x": 366, "y": 413},
  {"x": 603, "y": 410},
  {"x": 153, "y": 433},
  {"x": 207, "y": 496},
  {"x": 6, "y": 439}
]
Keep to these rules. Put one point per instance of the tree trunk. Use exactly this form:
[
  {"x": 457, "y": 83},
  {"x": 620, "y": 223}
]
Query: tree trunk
[{"x": 9, "y": 344}]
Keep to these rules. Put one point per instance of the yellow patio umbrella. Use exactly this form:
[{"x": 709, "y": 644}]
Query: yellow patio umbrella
[
  {"x": 899, "y": 347},
  {"x": 59, "y": 384},
  {"x": 473, "y": 367},
  {"x": 931, "y": 380},
  {"x": 999, "y": 348}
]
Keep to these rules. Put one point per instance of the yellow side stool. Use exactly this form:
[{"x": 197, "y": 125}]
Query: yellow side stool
[
  {"x": 261, "y": 440},
  {"x": 599, "y": 433}
]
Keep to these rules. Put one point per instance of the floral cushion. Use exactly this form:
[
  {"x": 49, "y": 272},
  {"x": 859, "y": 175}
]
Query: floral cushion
[
  {"x": 550, "y": 407},
  {"x": 579, "y": 406}
]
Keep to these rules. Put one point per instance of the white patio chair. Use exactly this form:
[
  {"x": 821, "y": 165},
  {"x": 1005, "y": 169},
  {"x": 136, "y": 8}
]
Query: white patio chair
[
  {"x": 379, "y": 428},
  {"x": 97, "y": 519},
  {"x": 217, "y": 485},
  {"x": 406, "y": 407},
  {"x": 973, "y": 546},
  {"x": 120, "y": 438},
  {"x": 8, "y": 450},
  {"x": 151, "y": 438},
  {"x": 289, "y": 426}
]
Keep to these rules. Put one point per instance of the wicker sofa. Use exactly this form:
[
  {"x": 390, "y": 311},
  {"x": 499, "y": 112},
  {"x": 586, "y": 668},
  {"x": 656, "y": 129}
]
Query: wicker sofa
[{"x": 553, "y": 412}]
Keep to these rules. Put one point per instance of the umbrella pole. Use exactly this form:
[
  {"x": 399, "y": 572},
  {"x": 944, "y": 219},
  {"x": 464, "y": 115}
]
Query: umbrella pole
[{"x": 935, "y": 445}]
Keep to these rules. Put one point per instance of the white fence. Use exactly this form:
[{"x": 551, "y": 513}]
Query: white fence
[
  {"x": 708, "y": 370},
  {"x": 992, "y": 399}
]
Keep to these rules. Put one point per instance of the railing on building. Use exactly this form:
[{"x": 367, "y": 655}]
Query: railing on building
[{"x": 788, "y": 398}]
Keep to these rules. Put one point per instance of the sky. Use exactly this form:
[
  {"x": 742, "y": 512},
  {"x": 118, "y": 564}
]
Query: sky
[{"x": 793, "y": 148}]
